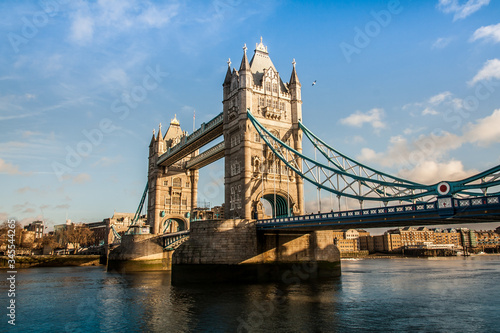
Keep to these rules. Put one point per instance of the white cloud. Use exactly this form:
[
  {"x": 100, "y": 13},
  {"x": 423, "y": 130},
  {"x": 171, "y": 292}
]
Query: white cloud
[
  {"x": 461, "y": 11},
  {"x": 372, "y": 117},
  {"x": 440, "y": 98},
  {"x": 429, "y": 111},
  {"x": 431, "y": 172},
  {"x": 424, "y": 159},
  {"x": 81, "y": 178},
  {"x": 485, "y": 131},
  {"x": 82, "y": 29},
  {"x": 433, "y": 105},
  {"x": 108, "y": 17},
  {"x": 9, "y": 168},
  {"x": 489, "y": 32},
  {"x": 490, "y": 70},
  {"x": 441, "y": 42}
]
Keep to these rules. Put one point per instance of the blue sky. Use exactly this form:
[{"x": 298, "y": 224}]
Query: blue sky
[{"x": 410, "y": 87}]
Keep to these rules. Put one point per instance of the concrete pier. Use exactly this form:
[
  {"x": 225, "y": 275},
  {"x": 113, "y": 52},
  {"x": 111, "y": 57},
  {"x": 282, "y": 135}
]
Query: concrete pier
[{"x": 233, "y": 251}]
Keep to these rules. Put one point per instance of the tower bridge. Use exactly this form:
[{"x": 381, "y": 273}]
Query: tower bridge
[{"x": 262, "y": 130}]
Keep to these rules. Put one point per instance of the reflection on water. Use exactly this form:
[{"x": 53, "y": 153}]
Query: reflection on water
[{"x": 384, "y": 295}]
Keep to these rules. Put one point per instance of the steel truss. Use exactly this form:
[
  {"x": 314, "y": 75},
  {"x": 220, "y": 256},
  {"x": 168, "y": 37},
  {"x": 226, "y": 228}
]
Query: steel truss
[{"x": 346, "y": 177}]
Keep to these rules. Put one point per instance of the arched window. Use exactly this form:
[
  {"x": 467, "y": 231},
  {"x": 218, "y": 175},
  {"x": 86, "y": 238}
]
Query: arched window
[{"x": 177, "y": 182}]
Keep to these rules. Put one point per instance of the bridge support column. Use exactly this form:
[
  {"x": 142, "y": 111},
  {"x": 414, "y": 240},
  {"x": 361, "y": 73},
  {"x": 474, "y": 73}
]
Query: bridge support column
[
  {"x": 139, "y": 253},
  {"x": 233, "y": 251}
]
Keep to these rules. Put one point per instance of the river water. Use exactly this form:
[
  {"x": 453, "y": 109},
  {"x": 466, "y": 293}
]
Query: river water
[{"x": 372, "y": 295}]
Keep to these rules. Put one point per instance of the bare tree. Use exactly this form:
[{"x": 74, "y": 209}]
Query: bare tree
[
  {"x": 4, "y": 234},
  {"x": 79, "y": 235}
]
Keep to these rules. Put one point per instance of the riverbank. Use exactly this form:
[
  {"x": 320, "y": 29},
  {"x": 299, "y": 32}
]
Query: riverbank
[
  {"x": 407, "y": 256},
  {"x": 52, "y": 261}
]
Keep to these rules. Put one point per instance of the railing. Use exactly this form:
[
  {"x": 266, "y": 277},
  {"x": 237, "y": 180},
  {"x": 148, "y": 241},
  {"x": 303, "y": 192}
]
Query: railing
[
  {"x": 393, "y": 210},
  {"x": 173, "y": 240}
]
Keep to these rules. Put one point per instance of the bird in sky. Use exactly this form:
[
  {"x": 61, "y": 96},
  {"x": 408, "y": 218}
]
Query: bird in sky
[{"x": 314, "y": 82}]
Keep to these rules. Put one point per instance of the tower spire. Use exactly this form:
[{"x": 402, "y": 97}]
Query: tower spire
[
  {"x": 294, "y": 79},
  {"x": 227, "y": 79},
  {"x": 159, "y": 132},
  {"x": 245, "y": 65}
]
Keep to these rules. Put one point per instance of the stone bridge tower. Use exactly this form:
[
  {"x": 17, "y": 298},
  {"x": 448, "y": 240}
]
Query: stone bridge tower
[
  {"x": 172, "y": 191},
  {"x": 251, "y": 170}
]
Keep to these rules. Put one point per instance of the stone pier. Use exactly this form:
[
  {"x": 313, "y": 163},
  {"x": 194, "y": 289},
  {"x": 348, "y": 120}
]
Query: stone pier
[
  {"x": 139, "y": 253},
  {"x": 234, "y": 251}
]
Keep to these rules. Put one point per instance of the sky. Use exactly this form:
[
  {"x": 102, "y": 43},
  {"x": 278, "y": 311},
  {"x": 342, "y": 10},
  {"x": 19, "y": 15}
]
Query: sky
[{"x": 411, "y": 88}]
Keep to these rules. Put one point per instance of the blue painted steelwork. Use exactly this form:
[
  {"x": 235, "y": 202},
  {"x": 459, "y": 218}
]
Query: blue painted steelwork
[
  {"x": 141, "y": 204},
  {"x": 445, "y": 210},
  {"x": 482, "y": 181},
  {"x": 339, "y": 181},
  {"x": 346, "y": 177},
  {"x": 118, "y": 237}
]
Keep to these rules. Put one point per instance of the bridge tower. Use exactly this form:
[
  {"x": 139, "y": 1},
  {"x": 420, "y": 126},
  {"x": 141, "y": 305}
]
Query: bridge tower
[
  {"x": 172, "y": 191},
  {"x": 252, "y": 172}
]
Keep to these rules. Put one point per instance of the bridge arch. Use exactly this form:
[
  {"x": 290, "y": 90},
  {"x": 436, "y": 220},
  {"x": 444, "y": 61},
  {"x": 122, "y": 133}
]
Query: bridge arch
[
  {"x": 282, "y": 204},
  {"x": 174, "y": 224}
]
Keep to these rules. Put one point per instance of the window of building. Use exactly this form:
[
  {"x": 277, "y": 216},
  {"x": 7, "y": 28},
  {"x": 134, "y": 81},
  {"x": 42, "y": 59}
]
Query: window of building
[
  {"x": 187, "y": 184},
  {"x": 165, "y": 183},
  {"x": 177, "y": 182}
]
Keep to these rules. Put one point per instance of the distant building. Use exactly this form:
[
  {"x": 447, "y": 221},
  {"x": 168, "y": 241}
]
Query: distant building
[
  {"x": 37, "y": 227},
  {"x": 99, "y": 229},
  {"x": 468, "y": 238},
  {"x": 348, "y": 240},
  {"x": 120, "y": 222},
  {"x": 487, "y": 239}
]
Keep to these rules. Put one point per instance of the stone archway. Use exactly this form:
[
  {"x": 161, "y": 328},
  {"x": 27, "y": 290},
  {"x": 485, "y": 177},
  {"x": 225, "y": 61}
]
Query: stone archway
[
  {"x": 281, "y": 205},
  {"x": 173, "y": 224}
]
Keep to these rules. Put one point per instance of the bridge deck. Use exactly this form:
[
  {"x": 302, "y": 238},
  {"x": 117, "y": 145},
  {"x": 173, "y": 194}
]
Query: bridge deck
[
  {"x": 203, "y": 135},
  {"x": 209, "y": 156},
  {"x": 475, "y": 210}
]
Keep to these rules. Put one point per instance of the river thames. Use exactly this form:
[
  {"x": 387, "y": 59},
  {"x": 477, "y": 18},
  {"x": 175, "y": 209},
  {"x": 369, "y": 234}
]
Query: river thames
[{"x": 372, "y": 295}]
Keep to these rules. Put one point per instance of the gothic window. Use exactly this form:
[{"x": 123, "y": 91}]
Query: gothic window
[
  {"x": 235, "y": 140},
  {"x": 176, "y": 200},
  {"x": 256, "y": 137},
  {"x": 261, "y": 101},
  {"x": 177, "y": 182},
  {"x": 275, "y": 88},
  {"x": 235, "y": 168},
  {"x": 268, "y": 86},
  {"x": 187, "y": 184},
  {"x": 282, "y": 106},
  {"x": 165, "y": 183},
  {"x": 274, "y": 104},
  {"x": 184, "y": 202}
]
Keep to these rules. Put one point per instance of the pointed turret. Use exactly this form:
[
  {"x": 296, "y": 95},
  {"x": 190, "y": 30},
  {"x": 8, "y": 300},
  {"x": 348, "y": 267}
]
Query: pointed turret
[
  {"x": 160, "y": 136},
  {"x": 245, "y": 65},
  {"x": 153, "y": 139},
  {"x": 294, "y": 87},
  {"x": 227, "y": 79},
  {"x": 246, "y": 77},
  {"x": 294, "y": 79}
]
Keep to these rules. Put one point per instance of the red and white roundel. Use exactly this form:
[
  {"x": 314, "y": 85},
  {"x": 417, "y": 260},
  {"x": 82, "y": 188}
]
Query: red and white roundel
[{"x": 443, "y": 188}]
